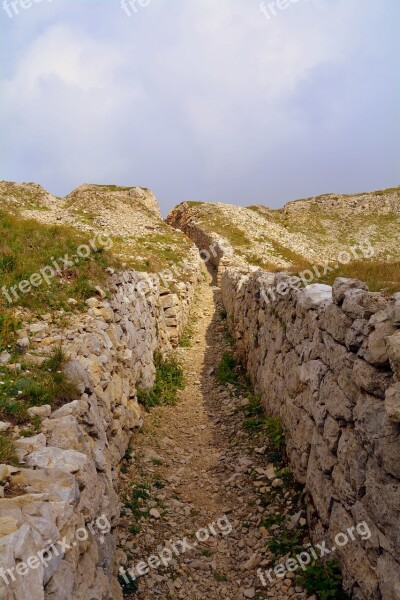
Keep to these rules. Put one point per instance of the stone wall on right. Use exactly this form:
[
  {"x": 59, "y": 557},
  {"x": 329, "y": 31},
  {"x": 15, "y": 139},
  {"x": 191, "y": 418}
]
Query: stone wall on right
[{"x": 327, "y": 362}]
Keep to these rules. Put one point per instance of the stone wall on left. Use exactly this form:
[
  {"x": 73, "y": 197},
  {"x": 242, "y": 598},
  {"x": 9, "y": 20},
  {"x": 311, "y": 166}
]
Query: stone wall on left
[{"x": 58, "y": 508}]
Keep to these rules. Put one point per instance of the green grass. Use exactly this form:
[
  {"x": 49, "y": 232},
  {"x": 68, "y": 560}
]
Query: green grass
[
  {"x": 27, "y": 246},
  {"x": 379, "y": 275},
  {"x": 227, "y": 370},
  {"x": 270, "y": 520},
  {"x": 286, "y": 542},
  {"x": 7, "y": 451},
  {"x": 187, "y": 335},
  {"x": 112, "y": 188},
  {"x": 155, "y": 252},
  {"x": 135, "y": 529},
  {"x": 325, "y": 580},
  {"x": 220, "y": 577},
  {"x": 275, "y": 433},
  {"x": 9, "y": 326},
  {"x": 35, "y": 386},
  {"x": 169, "y": 380}
]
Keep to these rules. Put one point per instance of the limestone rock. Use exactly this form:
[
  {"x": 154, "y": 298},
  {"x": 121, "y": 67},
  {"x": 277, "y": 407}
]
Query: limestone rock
[
  {"x": 393, "y": 349},
  {"x": 40, "y": 411},
  {"x": 314, "y": 295},
  {"x": 69, "y": 461},
  {"x": 342, "y": 285},
  {"x": 392, "y": 402}
]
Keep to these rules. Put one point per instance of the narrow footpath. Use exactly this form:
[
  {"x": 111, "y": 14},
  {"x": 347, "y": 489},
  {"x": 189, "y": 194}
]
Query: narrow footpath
[{"x": 203, "y": 487}]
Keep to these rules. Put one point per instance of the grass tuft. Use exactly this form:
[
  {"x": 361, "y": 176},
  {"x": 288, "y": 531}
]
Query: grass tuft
[
  {"x": 169, "y": 379},
  {"x": 35, "y": 386}
]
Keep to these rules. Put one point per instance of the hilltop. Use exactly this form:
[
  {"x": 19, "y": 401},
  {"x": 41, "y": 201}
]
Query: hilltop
[
  {"x": 312, "y": 229},
  {"x": 307, "y": 232}
]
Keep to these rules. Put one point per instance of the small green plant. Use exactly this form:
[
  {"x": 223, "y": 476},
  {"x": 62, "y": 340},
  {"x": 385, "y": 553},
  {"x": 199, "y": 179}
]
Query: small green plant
[
  {"x": 275, "y": 433},
  {"x": 187, "y": 335},
  {"x": 33, "y": 429},
  {"x": 223, "y": 314},
  {"x": 135, "y": 529},
  {"x": 254, "y": 407},
  {"x": 8, "y": 328},
  {"x": 128, "y": 454},
  {"x": 227, "y": 370},
  {"x": 185, "y": 341},
  {"x": 129, "y": 586},
  {"x": 220, "y": 577},
  {"x": 287, "y": 542},
  {"x": 139, "y": 492},
  {"x": 325, "y": 580},
  {"x": 270, "y": 520},
  {"x": 254, "y": 423},
  {"x": 169, "y": 379}
]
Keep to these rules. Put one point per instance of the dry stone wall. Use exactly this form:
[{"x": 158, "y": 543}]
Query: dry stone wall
[
  {"x": 327, "y": 362},
  {"x": 70, "y": 469}
]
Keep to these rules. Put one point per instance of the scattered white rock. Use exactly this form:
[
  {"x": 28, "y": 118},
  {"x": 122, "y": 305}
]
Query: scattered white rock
[{"x": 40, "y": 411}]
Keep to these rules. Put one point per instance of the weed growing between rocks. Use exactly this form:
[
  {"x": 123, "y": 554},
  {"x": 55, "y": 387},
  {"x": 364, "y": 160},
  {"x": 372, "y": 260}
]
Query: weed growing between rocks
[
  {"x": 325, "y": 580},
  {"x": 169, "y": 380},
  {"x": 7, "y": 451}
]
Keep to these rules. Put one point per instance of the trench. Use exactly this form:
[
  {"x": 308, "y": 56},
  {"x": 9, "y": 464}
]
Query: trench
[{"x": 207, "y": 498}]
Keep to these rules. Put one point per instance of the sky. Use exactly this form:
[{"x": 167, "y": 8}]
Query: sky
[{"x": 212, "y": 100}]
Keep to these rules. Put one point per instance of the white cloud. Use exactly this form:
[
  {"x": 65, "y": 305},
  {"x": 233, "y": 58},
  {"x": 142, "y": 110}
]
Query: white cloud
[{"x": 181, "y": 95}]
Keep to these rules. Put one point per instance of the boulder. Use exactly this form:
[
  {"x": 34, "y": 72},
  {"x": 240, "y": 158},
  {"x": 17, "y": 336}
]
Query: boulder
[
  {"x": 312, "y": 296},
  {"x": 69, "y": 461},
  {"x": 342, "y": 285}
]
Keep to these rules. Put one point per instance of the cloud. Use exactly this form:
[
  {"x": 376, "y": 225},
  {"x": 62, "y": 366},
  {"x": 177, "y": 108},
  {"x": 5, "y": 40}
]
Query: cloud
[{"x": 201, "y": 100}]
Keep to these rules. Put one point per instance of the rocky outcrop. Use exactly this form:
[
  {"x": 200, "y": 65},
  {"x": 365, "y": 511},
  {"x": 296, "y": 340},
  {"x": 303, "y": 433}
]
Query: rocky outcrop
[
  {"x": 314, "y": 230},
  {"x": 59, "y": 508},
  {"x": 327, "y": 363}
]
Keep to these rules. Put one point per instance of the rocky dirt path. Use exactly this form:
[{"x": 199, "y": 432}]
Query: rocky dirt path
[{"x": 202, "y": 486}]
